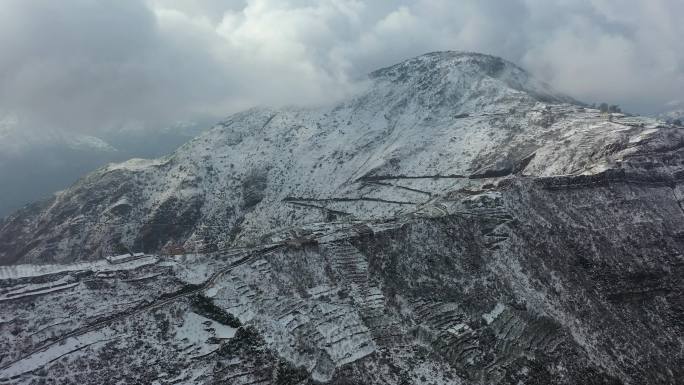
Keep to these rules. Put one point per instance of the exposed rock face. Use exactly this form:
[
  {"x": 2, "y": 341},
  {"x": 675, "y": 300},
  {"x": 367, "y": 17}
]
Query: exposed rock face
[{"x": 456, "y": 223}]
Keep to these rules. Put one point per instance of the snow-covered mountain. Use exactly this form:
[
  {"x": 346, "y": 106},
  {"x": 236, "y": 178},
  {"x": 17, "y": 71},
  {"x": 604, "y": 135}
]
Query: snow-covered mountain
[
  {"x": 439, "y": 114},
  {"x": 456, "y": 222}
]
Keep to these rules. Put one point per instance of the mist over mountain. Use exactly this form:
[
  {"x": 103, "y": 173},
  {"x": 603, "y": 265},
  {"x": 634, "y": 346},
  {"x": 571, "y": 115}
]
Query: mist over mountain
[
  {"x": 33, "y": 168},
  {"x": 83, "y": 66},
  {"x": 455, "y": 221},
  {"x": 672, "y": 112}
]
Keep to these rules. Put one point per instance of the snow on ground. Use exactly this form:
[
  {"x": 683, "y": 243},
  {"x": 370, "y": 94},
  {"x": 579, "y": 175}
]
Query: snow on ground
[
  {"x": 32, "y": 270},
  {"x": 28, "y": 290},
  {"x": 135, "y": 164},
  {"x": 494, "y": 314},
  {"x": 642, "y": 135},
  {"x": 196, "y": 330},
  {"x": 74, "y": 345}
]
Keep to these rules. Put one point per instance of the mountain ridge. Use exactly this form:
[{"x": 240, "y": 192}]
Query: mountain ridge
[
  {"x": 449, "y": 104},
  {"x": 440, "y": 227}
]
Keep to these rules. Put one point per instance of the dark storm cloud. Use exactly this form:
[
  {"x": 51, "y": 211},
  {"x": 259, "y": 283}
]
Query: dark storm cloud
[{"x": 88, "y": 66}]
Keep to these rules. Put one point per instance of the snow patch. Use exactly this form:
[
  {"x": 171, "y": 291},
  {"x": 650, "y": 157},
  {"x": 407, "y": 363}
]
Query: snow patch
[
  {"x": 29, "y": 270},
  {"x": 196, "y": 330},
  {"x": 642, "y": 135},
  {"x": 136, "y": 164},
  {"x": 73, "y": 345},
  {"x": 494, "y": 314}
]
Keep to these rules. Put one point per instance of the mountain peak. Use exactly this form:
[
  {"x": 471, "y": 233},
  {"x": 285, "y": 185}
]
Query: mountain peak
[
  {"x": 447, "y": 60},
  {"x": 468, "y": 72}
]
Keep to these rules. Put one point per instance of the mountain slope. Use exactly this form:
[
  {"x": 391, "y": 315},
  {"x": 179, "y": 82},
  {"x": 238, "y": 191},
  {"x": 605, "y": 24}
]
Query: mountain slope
[
  {"x": 439, "y": 114},
  {"x": 455, "y": 223}
]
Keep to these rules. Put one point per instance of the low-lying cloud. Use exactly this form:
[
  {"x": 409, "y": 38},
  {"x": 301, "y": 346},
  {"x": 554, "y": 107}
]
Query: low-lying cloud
[{"x": 89, "y": 66}]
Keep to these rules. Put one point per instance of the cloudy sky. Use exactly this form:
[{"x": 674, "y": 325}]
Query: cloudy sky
[{"x": 89, "y": 66}]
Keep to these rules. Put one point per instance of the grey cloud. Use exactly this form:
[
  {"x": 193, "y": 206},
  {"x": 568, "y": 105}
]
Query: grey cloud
[{"x": 90, "y": 66}]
